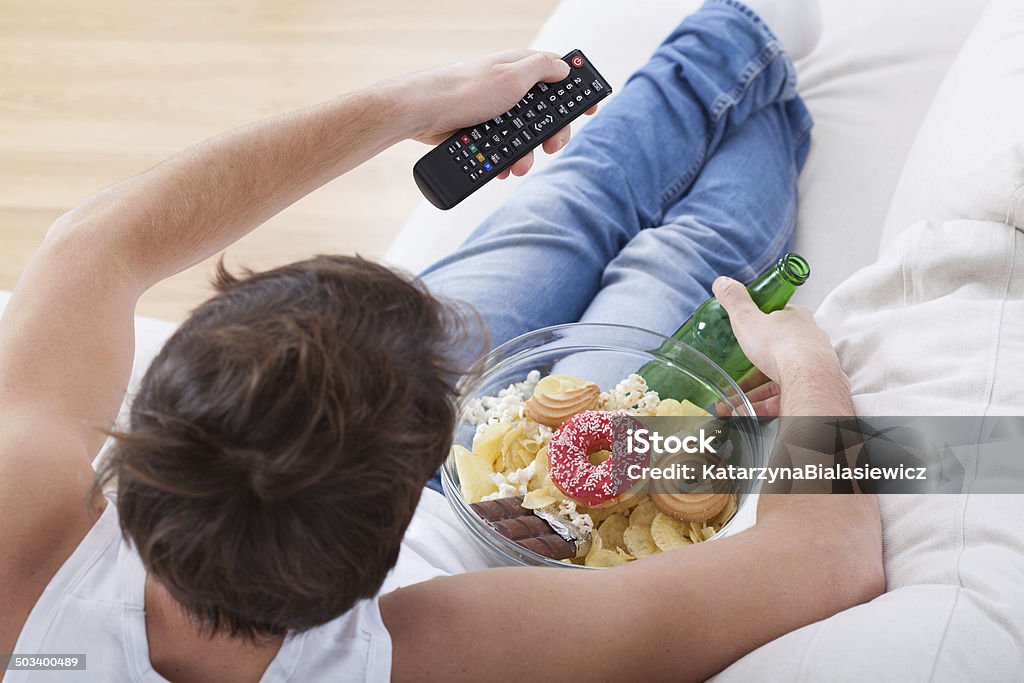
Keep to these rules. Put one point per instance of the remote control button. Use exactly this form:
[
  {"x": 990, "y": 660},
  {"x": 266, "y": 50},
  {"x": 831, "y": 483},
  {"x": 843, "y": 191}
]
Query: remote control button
[
  {"x": 465, "y": 154},
  {"x": 518, "y": 122},
  {"x": 504, "y": 132},
  {"x": 525, "y": 134},
  {"x": 471, "y": 163},
  {"x": 596, "y": 85},
  {"x": 472, "y": 149},
  {"x": 474, "y": 176},
  {"x": 542, "y": 87},
  {"x": 497, "y": 120},
  {"x": 570, "y": 104},
  {"x": 542, "y": 124},
  {"x": 552, "y": 98},
  {"x": 587, "y": 92},
  {"x": 505, "y": 151},
  {"x": 475, "y": 134},
  {"x": 578, "y": 80},
  {"x": 495, "y": 158},
  {"x": 560, "y": 92},
  {"x": 452, "y": 149},
  {"x": 486, "y": 145},
  {"x": 540, "y": 107},
  {"x": 530, "y": 115},
  {"x": 569, "y": 86},
  {"x": 466, "y": 168},
  {"x": 516, "y": 143},
  {"x": 488, "y": 166},
  {"x": 562, "y": 110},
  {"x": 465, "y": 139},
  {"x": 579, "y": 98},
  {"x": 577, "y": 61},
  {"x": 480, "y": 157}
]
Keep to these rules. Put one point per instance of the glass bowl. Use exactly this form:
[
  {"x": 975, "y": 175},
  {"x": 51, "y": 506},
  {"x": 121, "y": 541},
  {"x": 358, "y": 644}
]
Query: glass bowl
[{"x": 604, "y": 354}]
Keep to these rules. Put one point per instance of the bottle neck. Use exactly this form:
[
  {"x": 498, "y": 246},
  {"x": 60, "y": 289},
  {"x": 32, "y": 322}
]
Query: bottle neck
[{"x": 774, "y": 288}]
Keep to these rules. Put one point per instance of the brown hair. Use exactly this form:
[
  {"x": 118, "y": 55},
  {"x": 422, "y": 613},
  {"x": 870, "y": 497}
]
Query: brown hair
[{"x": 278, "y": 444}]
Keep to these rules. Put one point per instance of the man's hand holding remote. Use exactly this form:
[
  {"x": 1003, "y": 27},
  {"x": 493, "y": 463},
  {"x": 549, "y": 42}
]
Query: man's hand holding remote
[{"x": 448, "y": 98}]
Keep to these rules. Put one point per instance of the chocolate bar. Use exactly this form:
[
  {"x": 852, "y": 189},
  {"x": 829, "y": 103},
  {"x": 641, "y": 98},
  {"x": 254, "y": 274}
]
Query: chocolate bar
[{"x": 509, "y": 518}]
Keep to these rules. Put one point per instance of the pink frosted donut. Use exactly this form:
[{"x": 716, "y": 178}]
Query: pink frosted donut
[{"x": 569, "y": 464}]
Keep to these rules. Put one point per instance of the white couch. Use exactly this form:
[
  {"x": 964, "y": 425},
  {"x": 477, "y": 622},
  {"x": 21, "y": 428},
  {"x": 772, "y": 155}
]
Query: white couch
[
  {"x": 918, "y": 265},
  {"x": 954, "y": 563}
]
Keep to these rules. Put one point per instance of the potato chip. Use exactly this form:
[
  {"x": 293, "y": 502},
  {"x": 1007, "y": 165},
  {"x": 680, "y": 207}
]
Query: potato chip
[
  {"x": 541, "y": 498},
  {"x": 488, "y": 443},
  {"x": 611, "y": 531},
  {"x": 599, "y": 556},
  {"x": 596, "y": 514},
  {"x": 670, "y": 407},
  {"x": 695, "y": 534},
  {"x": 541, "y": 478},
  {"x": 719, "y": 520},
  {"x": 513, "y": 456},
  {"x": 643, "y": 514},
  {"x": 556, "y": 384},
  {"x": 669, "y": 533},
  {"x": 639, "y": 542},
  {"x": 474, "y": 474}
]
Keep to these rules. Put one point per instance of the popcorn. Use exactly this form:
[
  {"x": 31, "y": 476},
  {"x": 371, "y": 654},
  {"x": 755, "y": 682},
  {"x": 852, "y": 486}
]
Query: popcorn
[
  {"x": 514, "y": 483},
  {"x": 506, "y": 407},
  {"x": 632, "y": 395}
]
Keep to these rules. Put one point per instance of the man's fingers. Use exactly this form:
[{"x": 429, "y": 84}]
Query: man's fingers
[
  {"x": 753, "y": 379},
  {"x": 763, "y": 392},
  {"x": 769, "y": 407},
  {"x": 512, "y": 55},
  {"x": 539, "y": 66},
  {"x": 558, "y": 140},
  {"x": 736, "y": 301},
  {"x": 591, "y": 111},
  {"x": 522, "y": 166}
]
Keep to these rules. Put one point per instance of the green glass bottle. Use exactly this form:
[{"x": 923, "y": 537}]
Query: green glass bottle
[{"x": 708, "y": 330}]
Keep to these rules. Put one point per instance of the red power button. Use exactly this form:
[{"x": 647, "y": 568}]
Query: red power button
[{"x": 577, "y": 61}]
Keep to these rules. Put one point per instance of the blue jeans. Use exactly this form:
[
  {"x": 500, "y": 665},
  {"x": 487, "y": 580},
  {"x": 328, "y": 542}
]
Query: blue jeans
[{"x": 688, "y": 174}]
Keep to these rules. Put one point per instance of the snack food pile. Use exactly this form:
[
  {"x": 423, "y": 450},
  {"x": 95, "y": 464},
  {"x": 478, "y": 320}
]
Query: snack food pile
[{"x": 540, "y": 450}]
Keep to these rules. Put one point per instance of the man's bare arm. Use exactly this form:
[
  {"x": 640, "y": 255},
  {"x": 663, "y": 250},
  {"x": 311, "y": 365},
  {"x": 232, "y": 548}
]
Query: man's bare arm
[
  {"x": 677, "y": 616},
  {"x": 66, "y": 342}
]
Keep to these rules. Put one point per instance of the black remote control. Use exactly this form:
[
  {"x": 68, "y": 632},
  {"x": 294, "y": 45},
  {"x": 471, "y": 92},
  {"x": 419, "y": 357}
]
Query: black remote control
[{"x": 463, "y": 163}]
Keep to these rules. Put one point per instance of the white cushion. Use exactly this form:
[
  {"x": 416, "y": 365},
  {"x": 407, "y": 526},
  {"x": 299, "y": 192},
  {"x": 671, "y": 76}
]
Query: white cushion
[
  {"x": 968, "y": 159},
  {"x": 934, "y": 327},
  {"x": 868, "y": 84}
]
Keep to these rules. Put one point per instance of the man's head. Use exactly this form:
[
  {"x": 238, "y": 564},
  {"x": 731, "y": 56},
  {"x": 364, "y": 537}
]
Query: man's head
[{"x": 278, "y": 444}]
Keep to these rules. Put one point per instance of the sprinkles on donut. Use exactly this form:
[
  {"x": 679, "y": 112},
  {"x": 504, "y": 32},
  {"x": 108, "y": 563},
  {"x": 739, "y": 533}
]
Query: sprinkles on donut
[{"x": 569, "y": 452}]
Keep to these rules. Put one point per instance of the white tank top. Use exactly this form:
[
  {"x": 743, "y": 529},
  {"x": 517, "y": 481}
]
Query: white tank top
[{"x": 94, "y": 606}]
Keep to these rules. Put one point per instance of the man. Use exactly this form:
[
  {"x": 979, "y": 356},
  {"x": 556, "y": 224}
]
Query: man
[{"x": 279, "y": 443}]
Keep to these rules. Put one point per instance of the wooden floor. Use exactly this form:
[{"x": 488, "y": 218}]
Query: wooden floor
[{"x": 92, "y": 92}]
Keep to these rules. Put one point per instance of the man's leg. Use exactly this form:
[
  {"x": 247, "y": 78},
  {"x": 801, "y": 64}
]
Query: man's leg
[
  {"x": 540, "y": 258},
  {"x": 736, "y": 220}
]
